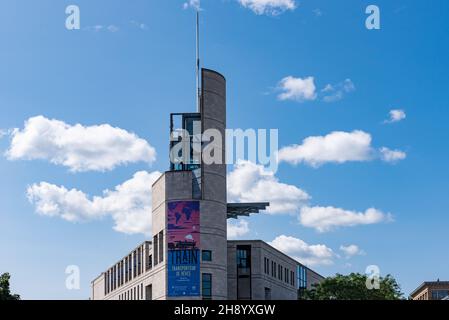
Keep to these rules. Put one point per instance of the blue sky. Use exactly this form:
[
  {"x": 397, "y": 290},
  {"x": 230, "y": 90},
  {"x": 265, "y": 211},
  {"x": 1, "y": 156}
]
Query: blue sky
[{"x": 139, "y": 67}]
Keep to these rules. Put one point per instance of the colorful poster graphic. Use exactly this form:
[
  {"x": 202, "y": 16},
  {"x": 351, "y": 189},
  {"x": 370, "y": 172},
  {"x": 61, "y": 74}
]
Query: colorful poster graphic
[{"x": 183, "y": 238}]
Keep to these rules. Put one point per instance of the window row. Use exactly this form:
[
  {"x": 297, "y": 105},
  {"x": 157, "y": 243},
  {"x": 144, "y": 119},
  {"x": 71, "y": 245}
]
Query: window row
[
  {"x": 158, "y": 248},
  {"x": 135, "y": 264},
  {"x": 135, "y": 293},
  {"x": 279, "y": 272}
]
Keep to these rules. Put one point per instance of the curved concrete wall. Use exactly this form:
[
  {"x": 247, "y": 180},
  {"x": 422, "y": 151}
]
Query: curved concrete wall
[{"x": 214, "y": 200}]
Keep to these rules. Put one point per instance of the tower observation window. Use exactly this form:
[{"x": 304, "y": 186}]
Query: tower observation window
[{"x": 185, "y": 141}]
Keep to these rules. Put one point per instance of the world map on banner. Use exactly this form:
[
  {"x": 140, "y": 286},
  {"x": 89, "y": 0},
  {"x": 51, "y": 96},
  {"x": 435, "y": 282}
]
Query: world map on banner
[{"x": 183, "y": 241}]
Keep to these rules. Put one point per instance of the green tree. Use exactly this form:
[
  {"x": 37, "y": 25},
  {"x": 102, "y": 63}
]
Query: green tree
[
  {"x": 353, "y": 287},
  {"x": 5, "y": 293}
]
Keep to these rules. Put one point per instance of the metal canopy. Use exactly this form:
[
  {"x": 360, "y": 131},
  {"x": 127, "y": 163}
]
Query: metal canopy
[{"x": 236, "y": 210}]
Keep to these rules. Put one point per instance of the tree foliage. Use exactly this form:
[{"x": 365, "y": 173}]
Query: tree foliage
[
  {"x": 354, "y": 287},
  {"x": 5, "y": 293}
]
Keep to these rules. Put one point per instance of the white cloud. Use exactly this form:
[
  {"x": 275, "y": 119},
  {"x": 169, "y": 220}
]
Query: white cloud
[
  {"x": 139, "y": 25},
  {"x": 392, "y": 156},
  {"x": 3, "y": 133},
  {"x": 325, "y": 219},
  {"x": 396, "y": 116},
  {"x": 237, "y": 228},
  {"x": 269, "y": 7},
  {"x": 337, "y": 147},
  {"x": 195, "y": 4},
  {"x": 297, "y": 89},
  {"x": 97, "y": 28},
  {"x": 311, "y": 255},
  {"x": 317, "y": 12},
  {"x": 80, "y": 148},
  {"x": 249, "y": 182},
  {"x": 304, "y": 89},
  {"x": 348, "y": 85},
  {"x": 113, "y": 28},
  {"x": 351, "y": 251},
  {"x": 336, "y": 92},
  {"x": 129, "y": 204}
]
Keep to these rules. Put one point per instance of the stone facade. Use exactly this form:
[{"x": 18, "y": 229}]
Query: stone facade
[{"x": 150, "y": 281}]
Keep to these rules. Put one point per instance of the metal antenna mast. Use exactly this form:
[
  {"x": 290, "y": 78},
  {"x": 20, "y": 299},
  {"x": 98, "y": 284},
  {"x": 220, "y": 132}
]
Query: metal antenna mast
[{"x": 198, "y": 89}]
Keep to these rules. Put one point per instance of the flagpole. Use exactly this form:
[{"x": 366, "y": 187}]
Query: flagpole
[{"x": 198, "y": 89}]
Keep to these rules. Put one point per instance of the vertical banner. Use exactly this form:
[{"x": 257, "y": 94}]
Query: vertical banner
[{"x": 183, "y": 241}]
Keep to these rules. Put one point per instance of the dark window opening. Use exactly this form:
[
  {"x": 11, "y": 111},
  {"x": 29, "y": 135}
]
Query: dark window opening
[
  {"x": 155, "y": 251},
  {"x": 206, "y": 255},
  {"x": 149, "y": 292},
  {"x": 161, "y": 246},
  {"x": 150, "y": 262},
  {"x": 267, "y": 294},
  {"x": 244, "y": 273},
  {"x": 206, "y": 282},
  {"x": 139, "y": 261}
]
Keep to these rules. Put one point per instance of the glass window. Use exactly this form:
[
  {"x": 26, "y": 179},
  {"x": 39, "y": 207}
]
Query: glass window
[
  {"x": 155, "y": 250},
  {"x": 301, "y": 278},
  {"x": 135, "y": 264},
  {"x": 206, "y": 281},
  {"x": 206, "y": 255},
  {"x": 267, "y": 294},
  {"x": 115, "y": 278},
  {"x": 122, "y": 267},
  {"x": 126, "y": 269},
  {"x": 150, "y": 262},
  {"x": 185, "y": 128},
  {"x": 105, "y": 283},
  {"x": 266, "y": 266},
  {"x": 439, "y": 294},
  {"x": 149, "y": 292},
  {"x": 119, "y": 274},
  {"x": 244, "y": 272},
  {"x": 161, "y": 246},
  {"x": 139, "y": 261},
  {"x": 242, "y": 259},
  {"x": 110, "y": 280},
  {"x": 142, "y": 259},
  {"x": 130, "y": 272}
]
